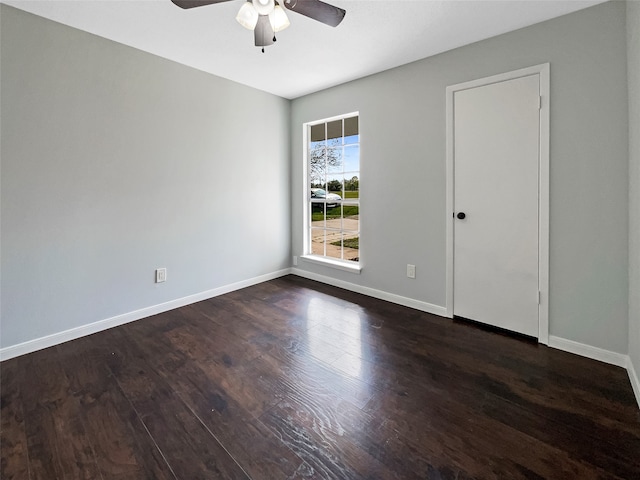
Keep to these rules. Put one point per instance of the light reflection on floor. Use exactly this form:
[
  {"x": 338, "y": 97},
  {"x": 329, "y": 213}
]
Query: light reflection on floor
[{"x": 343, "y": 321}]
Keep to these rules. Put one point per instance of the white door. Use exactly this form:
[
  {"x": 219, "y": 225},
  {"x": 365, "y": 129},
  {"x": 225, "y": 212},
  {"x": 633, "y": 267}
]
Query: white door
[{"x": 496, "y": 165}]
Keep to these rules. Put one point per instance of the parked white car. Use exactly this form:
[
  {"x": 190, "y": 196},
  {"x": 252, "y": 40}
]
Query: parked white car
[{"x": 319, "y": 196}]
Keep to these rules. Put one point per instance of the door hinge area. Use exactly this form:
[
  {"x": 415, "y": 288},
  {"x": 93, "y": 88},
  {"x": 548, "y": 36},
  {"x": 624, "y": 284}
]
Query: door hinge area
[
  {"x": 539, "y": 296},
  {"x": 539, "y": 102}
]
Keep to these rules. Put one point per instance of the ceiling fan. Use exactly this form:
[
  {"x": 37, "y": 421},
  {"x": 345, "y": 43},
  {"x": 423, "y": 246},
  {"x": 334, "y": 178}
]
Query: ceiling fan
[{"x": 267, "y": 17}]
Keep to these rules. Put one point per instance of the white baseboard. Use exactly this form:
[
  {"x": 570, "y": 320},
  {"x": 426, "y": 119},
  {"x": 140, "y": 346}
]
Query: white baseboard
[
  {"x": 372, "y": 292},
  {"x": 600, "y": 354},
  {"x": 633, "y": 377},
  {"x": 95, "y": 327}
]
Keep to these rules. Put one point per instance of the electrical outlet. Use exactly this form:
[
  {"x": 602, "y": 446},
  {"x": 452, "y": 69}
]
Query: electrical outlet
[
  {"x": 411, "y": 271},
  {"x": 161, "y": 275},
  {"x": 295, "y": 260}
]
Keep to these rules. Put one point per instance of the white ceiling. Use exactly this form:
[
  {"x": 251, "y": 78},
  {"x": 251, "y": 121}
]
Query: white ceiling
[{"x": 309, "y": 56}]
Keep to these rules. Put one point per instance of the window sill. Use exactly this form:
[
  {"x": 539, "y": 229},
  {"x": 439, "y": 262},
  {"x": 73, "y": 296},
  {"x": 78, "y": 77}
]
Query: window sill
[{"x": 328, "y": 262}]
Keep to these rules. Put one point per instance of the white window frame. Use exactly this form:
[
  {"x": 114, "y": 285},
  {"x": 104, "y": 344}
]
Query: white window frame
[{"x": 346, "y": 265}]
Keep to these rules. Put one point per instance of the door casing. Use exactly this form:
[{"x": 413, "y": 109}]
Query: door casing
[{"x": 543, "y": 71}]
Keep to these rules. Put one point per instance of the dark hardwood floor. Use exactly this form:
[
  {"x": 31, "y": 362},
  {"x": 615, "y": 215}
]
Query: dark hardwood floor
[{"x": 292, "y": 379}]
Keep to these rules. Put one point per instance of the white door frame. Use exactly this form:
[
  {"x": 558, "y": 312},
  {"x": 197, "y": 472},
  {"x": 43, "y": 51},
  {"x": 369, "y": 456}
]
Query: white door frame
[{"x": 543, "y": 187}]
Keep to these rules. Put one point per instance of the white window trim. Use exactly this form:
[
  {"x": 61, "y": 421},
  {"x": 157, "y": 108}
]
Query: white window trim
[
  {"x": 345, "y": 265},
  {"x": 333, "y": 263}
]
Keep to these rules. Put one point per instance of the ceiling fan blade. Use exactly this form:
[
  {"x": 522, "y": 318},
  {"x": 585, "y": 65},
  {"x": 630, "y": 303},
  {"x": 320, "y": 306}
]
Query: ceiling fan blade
[
  {"x": 263, "y": 33},
  {"x": 196, "y": 3},
  {"x": 320, "y": 11}
]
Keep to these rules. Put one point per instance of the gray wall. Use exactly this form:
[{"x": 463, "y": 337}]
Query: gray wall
[
  {"x": 402, "y": 118},
  {"x": 633, "y": 72},
  {"x": 115, "y": 162}
]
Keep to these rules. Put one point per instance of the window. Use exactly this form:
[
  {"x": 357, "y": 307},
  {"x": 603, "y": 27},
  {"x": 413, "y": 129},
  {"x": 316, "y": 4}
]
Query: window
[{"x": 333, "y": 183}]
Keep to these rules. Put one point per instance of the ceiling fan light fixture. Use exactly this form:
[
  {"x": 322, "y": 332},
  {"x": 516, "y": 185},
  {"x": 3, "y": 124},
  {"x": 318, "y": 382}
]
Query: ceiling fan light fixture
[
  {"x": 278, "y": 18},
  {"x": 263, "y": 7},
  {"x": 248, "y": 16}
]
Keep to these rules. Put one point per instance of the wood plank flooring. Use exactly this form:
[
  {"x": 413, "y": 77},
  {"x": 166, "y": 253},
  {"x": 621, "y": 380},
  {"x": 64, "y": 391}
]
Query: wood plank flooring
[{"x": 292, "y": 379}]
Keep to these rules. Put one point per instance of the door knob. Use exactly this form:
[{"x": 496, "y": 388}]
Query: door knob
[{"x": 461, "y": 215}]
